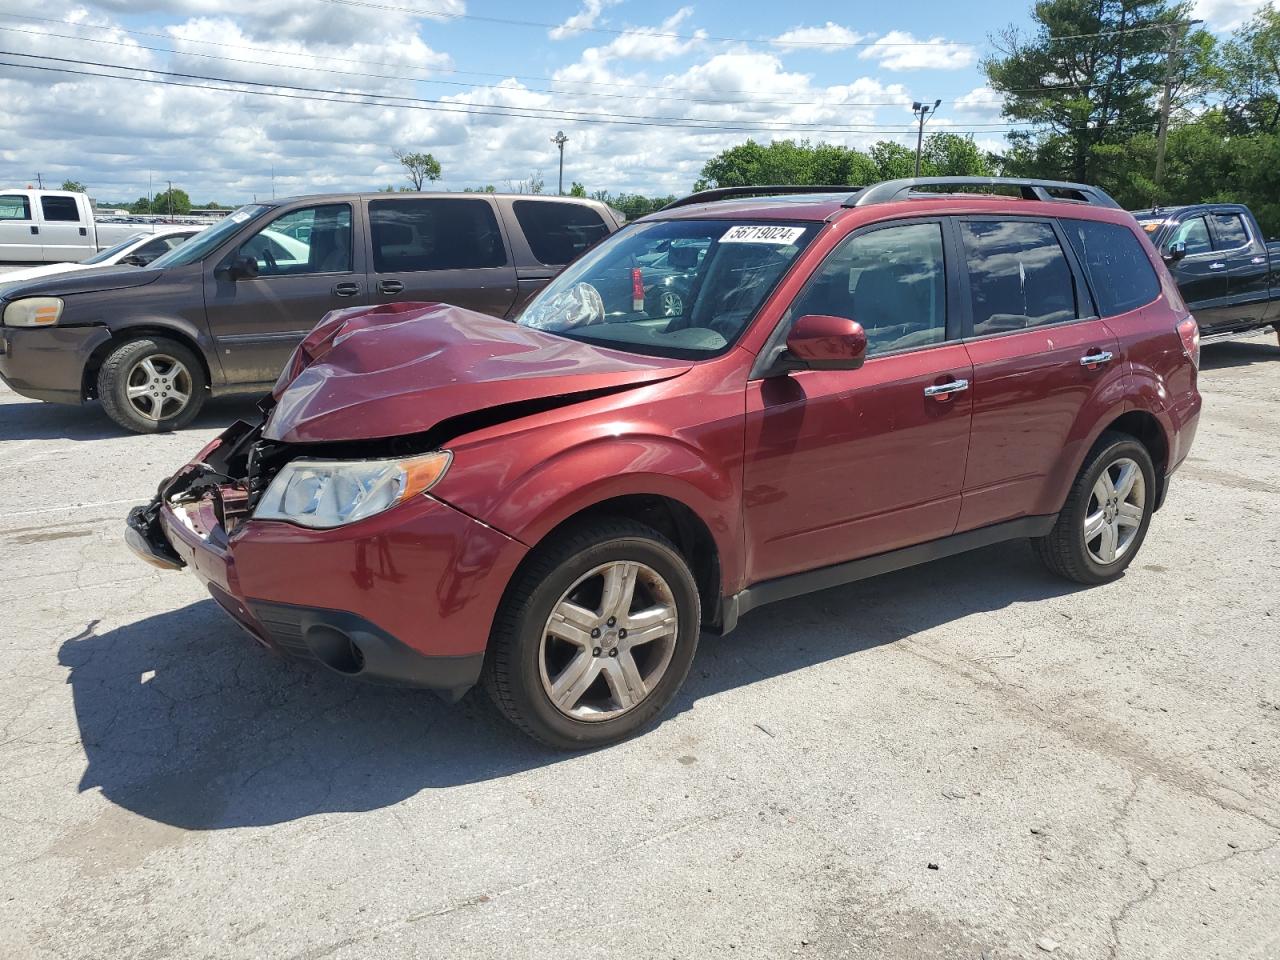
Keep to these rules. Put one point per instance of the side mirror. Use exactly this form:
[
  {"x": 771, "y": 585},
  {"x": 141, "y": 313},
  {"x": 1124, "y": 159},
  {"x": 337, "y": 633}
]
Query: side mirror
[
  {"x": 819, "y": 342},
  {"x": 242, "y": 268},
  {"x": 1174, "y": 252}
]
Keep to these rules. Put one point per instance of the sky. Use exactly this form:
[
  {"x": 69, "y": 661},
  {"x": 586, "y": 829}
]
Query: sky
[{"x": 646, "y": 92}]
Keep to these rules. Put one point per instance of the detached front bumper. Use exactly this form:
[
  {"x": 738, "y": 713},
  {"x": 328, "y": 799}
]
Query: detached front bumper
[
  {"x": 47, "y": 363},
  {"x": 405, "y": 597}
]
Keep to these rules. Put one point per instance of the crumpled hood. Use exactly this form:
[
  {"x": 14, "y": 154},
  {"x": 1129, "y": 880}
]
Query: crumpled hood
[
  {"x": 92, "y": 280},
  {"x": 398, "y": 369}
]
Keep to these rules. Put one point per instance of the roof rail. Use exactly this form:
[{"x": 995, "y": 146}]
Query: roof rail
[
  {"x": 728, "y": 193},
  {"x": 1046, "y": 190}
]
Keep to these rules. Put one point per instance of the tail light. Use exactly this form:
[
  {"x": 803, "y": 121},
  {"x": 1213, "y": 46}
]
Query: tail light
[
  {"x": 637, "y": 290},
  {"x": 1189, "y": 330}
]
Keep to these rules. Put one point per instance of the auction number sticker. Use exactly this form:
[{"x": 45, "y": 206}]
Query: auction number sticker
[{"x": 753, "y": 233}]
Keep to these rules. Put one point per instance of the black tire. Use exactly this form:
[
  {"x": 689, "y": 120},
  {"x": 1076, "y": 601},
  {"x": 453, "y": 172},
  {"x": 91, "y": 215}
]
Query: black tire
[
  {"x": 123, "y": 363},
  {"x": 513, "y": 672},
  {"x": 1064, "y": 550}
]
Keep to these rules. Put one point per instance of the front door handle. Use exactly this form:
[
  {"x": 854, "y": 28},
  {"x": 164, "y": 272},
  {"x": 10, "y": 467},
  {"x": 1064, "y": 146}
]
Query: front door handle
[
  {"x": 346, "y": 289},
  {"x": 390, "y": 286},
  {"x": 35, "y": 230},
  {"x": 944, "y": 390},
  {"x": 1096, "y": 359},
  {"x": 1217, "y": 266}
]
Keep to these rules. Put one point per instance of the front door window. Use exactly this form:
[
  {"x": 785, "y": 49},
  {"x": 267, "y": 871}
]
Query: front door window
[{"x": 303, "y": 241}]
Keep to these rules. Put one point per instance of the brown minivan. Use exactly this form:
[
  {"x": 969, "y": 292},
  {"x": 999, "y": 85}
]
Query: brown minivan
[{"x": 222, "y": 313}]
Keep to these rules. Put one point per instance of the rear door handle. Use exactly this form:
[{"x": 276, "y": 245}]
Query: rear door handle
[
  {"x": 944, "y": 390},
  {"x": 1093, "y": 360},
  {"x": 1217, "y": 266},
  {"x": 346, "y": 289},
  {"x": 35, "y": 230},
  {"x": 390, "y": 286}
]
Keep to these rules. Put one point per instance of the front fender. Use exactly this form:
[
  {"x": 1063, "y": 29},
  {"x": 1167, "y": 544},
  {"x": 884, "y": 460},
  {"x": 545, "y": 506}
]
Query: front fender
[{"x": 528, "y": 496}]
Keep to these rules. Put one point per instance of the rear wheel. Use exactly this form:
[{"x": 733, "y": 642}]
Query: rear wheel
[
  {"x": 1105, "y": 519},
  {"x": 594, "y": 636},
  {"x": 151, "y": 384}
]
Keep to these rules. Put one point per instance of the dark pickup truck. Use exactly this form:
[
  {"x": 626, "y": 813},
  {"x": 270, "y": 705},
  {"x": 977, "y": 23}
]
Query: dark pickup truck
[
  {"x": 1228, "y": 273},
  {"x": 221, "y": 313}
]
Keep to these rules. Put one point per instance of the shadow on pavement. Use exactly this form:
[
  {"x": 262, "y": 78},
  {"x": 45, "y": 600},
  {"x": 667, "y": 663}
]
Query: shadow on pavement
[
  {"x": 1239, "y": 353},
  {"x": 186, "y": 721},
  {"x": 34, "y": 420}
]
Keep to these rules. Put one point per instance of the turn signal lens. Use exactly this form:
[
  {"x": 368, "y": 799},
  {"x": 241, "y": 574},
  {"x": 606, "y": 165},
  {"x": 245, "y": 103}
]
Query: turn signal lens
[
  {"x": 33, "y": 312},
  {"x": 330, "y": 493},
  {"x": 1189, "y": 330}
]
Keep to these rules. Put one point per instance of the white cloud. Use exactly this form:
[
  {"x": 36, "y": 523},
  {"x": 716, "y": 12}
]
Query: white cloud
[
  {"x": 980, "y": 102},
  {"x": 643, "y": 43},
  {"x": 584, "y": 19},
  {"x": 825, "y": 39},
  {"x": 900, "y": 50},
  {"x": 1222, "y": 15}
]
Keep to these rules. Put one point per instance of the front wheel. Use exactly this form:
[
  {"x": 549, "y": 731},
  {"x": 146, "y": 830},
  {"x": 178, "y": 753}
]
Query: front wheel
[
  {"x": 1106, "y": 516},
  {"x": 151, "y": 384},
  {"x": 595, "y": 635}
]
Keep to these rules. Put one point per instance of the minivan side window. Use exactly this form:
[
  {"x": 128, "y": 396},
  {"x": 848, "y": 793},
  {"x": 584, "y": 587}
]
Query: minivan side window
[
  {"x": 892, "y": 281},
  {"x": 15, "y": 207},
  {"x": 1195, "y": 234},
  {"x": 1122, "y": 276},
  {"x": 303, "y": 241},
  {"x": 435, "y": 234},
  {"x": 1230, "y": 229},
  {"x": 558, "y": 232},
  {"x": 60, "y": 209},
  {"x": 1019, "y": 276}
]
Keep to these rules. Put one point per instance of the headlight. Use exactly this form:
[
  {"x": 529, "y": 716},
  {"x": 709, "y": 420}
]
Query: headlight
[
  {"x": 330, "y": 493},
  {"x": 33, "y": 312}
]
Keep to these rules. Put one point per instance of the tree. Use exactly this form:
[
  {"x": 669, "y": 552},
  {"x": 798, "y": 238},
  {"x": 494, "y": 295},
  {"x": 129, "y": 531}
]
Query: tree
[
  {"x": 487, "y": 188},
  {"x": 535, "y": 184},
  {"x": 1251, "y": 74},
  {"x": 1089, "y": 75},
  {"x": 75, "y": 186},
  {"x": 141, "y": 205},
  {"x": 418, "y": 167},
  {"x": 173, "y": 201},
  {"x": 577, "y": 190}
]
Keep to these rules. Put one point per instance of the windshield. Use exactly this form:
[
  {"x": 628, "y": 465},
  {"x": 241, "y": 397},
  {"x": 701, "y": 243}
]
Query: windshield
[
  {"x": 120, "y": 247},
  {"x": 672, "y": 288},
  {"x": 210, "y": 238}
]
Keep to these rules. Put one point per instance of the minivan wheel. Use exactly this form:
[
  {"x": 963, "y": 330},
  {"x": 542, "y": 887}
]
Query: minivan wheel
[
  {"x": 151, "y": 384},
  {"x": 1106, "y": 516},
  {"x": 595, "y": 634}
]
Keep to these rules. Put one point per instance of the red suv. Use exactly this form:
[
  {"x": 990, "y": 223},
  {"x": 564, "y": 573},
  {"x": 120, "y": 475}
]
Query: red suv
[{"x": 844, "y": 384}]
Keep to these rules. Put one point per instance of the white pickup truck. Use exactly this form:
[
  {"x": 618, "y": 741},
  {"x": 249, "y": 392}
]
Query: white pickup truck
[{"x": 56, "y": 226}]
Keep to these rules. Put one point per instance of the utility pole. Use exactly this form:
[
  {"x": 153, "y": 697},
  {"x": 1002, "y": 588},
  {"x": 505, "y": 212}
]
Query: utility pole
[
  {"x": 40, "y": 180},
  {"x": 1175, "y": 32},
  {"x": 273, "y": 181},
  {"x": 170, "y": 182},
  {"x": 923, "y": 112},
  {"x": 559, "y": 140}
]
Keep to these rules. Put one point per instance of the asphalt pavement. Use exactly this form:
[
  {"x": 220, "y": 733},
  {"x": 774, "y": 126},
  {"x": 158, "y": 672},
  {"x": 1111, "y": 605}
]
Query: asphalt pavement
[{"x": 970, "y": 759}]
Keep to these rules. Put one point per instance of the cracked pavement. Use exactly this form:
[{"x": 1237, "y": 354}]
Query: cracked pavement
[{"x": 1097, "y": 769}]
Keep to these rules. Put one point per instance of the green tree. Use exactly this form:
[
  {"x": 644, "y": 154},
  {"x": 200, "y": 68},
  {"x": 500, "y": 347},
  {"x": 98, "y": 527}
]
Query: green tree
[
  {"x": 1088, "y": 75},
  {"x": 74, "y": 185},
  {"x": 174, "y": 201},
  {"x": 141, "y": 205},
  {"x": 577, "y": 190},
  {"x": 1251, "y": 74},
  {"x": 418, "y": 167}
]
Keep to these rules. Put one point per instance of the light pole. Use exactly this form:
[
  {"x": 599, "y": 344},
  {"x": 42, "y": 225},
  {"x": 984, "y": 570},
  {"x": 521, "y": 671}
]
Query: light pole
[
  {"x": 922, "y": 110},
  {"x": 560, "y": 140}
]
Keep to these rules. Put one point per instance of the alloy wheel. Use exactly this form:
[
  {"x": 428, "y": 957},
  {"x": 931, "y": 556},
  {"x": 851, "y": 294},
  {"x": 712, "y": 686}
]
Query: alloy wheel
[
  {"x": 608, "y": 641},
  {"x": 159, "y": 386},
  {"x": 1117, "y": 505}
]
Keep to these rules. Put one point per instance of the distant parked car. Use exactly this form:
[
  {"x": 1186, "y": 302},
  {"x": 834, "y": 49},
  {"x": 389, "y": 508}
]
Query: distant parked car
[
  {"x": 1227, "y": 272},
  {"x": 856, "y": 381},
  {"x": 137, "y": 250},
  {"x": 59, "y": 226},
  {"x": 222, "y": 313}
]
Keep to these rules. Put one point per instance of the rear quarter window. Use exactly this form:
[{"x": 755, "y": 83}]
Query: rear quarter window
[
  {"x": 1119, "y": 270},
  {"x": 558, "y": 232}
]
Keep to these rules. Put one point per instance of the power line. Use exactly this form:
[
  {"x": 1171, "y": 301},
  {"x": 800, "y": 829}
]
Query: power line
[
  {"x": 278, "y": 92},
  {"x": 688, "y": 123}
]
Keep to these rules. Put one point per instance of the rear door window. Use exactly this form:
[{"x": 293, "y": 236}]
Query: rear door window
[
  {"x": 1122, "y": 276},
  {"x": 60, "y": 209},
  {"x": 436, "y": 234},
  {"x": 1019, "y": 276},
  {"x": 558, "y": 232},
  {"x": 15, "y": 207},
  {"x": 1230, "y": 229},
  {"x": 1195, "y": 234}
]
